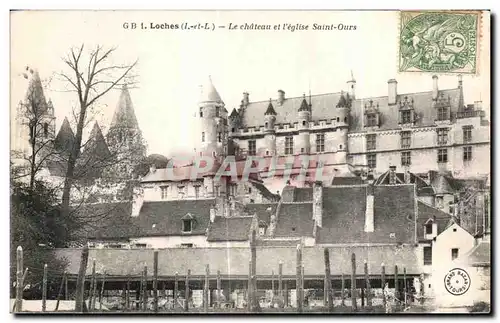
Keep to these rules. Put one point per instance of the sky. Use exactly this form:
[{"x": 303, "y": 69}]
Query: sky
[{"x": 173, "y": 63}]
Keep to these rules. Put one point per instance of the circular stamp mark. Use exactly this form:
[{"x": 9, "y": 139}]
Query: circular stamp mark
[{"x": 457, "y": 281}]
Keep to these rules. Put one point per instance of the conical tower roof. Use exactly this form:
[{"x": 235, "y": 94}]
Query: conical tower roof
[
  {"x": 209, "y": 93},
  {"x": 270, "y": 109},
  {"x": 65, "y": 137},
  {"x": 234, "y": 114},
  {"x": 124, "y": 116},
  {"x": 97, "y": 146},
  {"x": 304, "y": 106},
  {"x": 34, "y": 94},
  {"x": 342, "y": 101}
]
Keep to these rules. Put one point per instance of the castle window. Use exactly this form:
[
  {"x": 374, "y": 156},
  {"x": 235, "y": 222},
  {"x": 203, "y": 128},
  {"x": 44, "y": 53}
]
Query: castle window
[
  {"x": 267, "y": 152},
  {"x": 186, "y": 245},
  {"x": 406, "y": 158},
  {"x": 442, "y": 155},
  {"x": 371, "y": 120},
  {"x": 467, "y": 131},
  {"x": 201, "y": 112},
  {"x": 202, "y": 137},
  {"x": 406, "y": 116},
  {"x": 45, "y": 130},
  {"x": 442, "y": 134},
  {"x": 303, "y": 122},
  {"x": 302, "y": 150},
  {"x": 233, "y": 129},
  {"x": 164, "y": 192},
  {"x": 217, "y": 190},
  {"x": 338, "y": 119},
  {"x": 213, "y": 153},
  {"x": 252, "y": 147},
  {"x": 454, "y": 253},
  {"x": 467, "y": 153},
  {"x": 187, "y": 225},
  {"x": 196, "y": 192},
  {"x": 217, "y": 111},
  {"x": 405, "y": 139},
  {"x": 266, "y": 124},
  {"x": 181, "y": 190},
  {"x": 345, "y": 119},
  {"x": 219, "y": 136},
  {"x": 371, "y": 142},
  {"x": 320, "y": 142},
  {"x": 340, "y": 146},
  {"x": 288, "y": 145},
  {"x": 371, "y": 161},
  {"x": 442, "y": 113},
  {"x": 427, "y": 255}
]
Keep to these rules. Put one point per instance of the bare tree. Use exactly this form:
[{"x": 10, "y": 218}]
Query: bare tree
[{"x": 90, "y": 79}]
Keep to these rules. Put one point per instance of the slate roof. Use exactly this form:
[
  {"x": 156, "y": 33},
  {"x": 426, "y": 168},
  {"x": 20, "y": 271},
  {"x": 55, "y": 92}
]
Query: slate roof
[
  {"x": 230, "y": 229},
  {"x": 65, "y": 137},
  {"x": 344, "y": 215},
  {"x": 164, "y": 218},
  {"x": 426, "y": 212},
  {"x": 351, "y": 180},
  {"x": 234, "y": 261},
  {"x": 106, "y": 220},
  {"x": 295, "y": 220},
  {"x": 263, "y": 210},
  {"x": 480, "y": 255},
  {"x": 423, "y": 189},
  {"x": 323, "y": 107},
  {"x": 303, "y": 194},
  {"x": 270, "y": 109},
  {"x": 209, "y": 93},
  {"x": 124, "y": 116}
]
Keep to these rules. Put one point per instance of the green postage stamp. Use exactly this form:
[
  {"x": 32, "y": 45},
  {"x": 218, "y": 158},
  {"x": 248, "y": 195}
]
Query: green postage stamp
[{"x": 439, "y": 42}]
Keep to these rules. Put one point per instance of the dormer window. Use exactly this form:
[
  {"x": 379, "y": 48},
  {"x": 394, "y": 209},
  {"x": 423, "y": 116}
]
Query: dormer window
[
  {"x": 442, "y": 113},
  {"x": 442, "y": 106},
  {"x": 428, "y": 228},
  {"x": 406, "y": 115},
  {"x": 186, "y": 225},
  {"x": 371, "y": 114}
]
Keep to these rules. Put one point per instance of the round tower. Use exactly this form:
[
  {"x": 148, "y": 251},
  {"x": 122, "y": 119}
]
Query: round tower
[
  {"x": 303, "y": 142},
  {"x": 269, "y": 132},
  {"x": 213, "y": 122},
  {"x": 343, "y": 109}
]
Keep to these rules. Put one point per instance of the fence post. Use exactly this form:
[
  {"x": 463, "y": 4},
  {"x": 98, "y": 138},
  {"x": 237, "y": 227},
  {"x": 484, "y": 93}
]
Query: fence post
[
  {"x": 298, "y": 287},
  {"x": 218, "y": 288},
  {"x": 145, "y": 290},
  {"x": 396, "y": 282},
  {"x": 44, "y": 289},
  {"x": 342, "y": 292},
  {"x": 94, "y": 288},
  {"x": 80, "y": 283},
  {"x": 101, "y": 293},
  {"x": 127, "y": 294},
  {"x": 206, "y": 288},
  {"x": 286, "y": 301},
  {"x": 249, "y": 291},
  {"x": 280, "y": 278},
  {"x": 155, "y": 281},
  {"x": 59, "y": 293},
  {"x": 186, "y": 302},
  {"x": 66, "y": 294},
  {"x": 384, "y": 300},
  {"x": 19, "y": 279},
  {"x": 254, "y": 304},
  {"x": 328, "y": 281},
  {"x": 176, "y": 289},
  {"x": 405, "y": 289},
  {"x": 272, "y": 284},
  {"x": 353, "y": 282},
  {"x": 368, "y": 285}
]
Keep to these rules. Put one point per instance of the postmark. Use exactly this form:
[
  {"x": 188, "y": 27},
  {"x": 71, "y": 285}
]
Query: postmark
[
  {"x": 457, "y": 281},
  {"x": 439, "y": 42}
]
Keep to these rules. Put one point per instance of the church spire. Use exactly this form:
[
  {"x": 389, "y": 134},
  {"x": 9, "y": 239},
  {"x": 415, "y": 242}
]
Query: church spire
[
  {"x": 124, "y": 116},
  {"x": 65, "y": 137},
  {"x": 96, "y": 145}
]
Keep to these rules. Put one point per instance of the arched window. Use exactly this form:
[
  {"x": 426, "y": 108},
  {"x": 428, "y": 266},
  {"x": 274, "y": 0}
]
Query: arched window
[
  {"x": 304, "y": 123},
  {"x": 266, "y": 124},
  {"x": 233, "y": 129},
  {"x": 340, "y": 146}
]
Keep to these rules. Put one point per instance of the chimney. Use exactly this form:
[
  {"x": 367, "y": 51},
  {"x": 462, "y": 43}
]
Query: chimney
[
  {"x": 460, "y": 82},
  {"x": 245, "y": 100},
  {"x": 435, "y": 89},
  {"x": 392, "y": 175},
  {"x": 281, "y": 97},
  {"x": 393, "y": 91},
  {"x": 318, "y": 203},
  {"x": 369, "y": 216}
]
